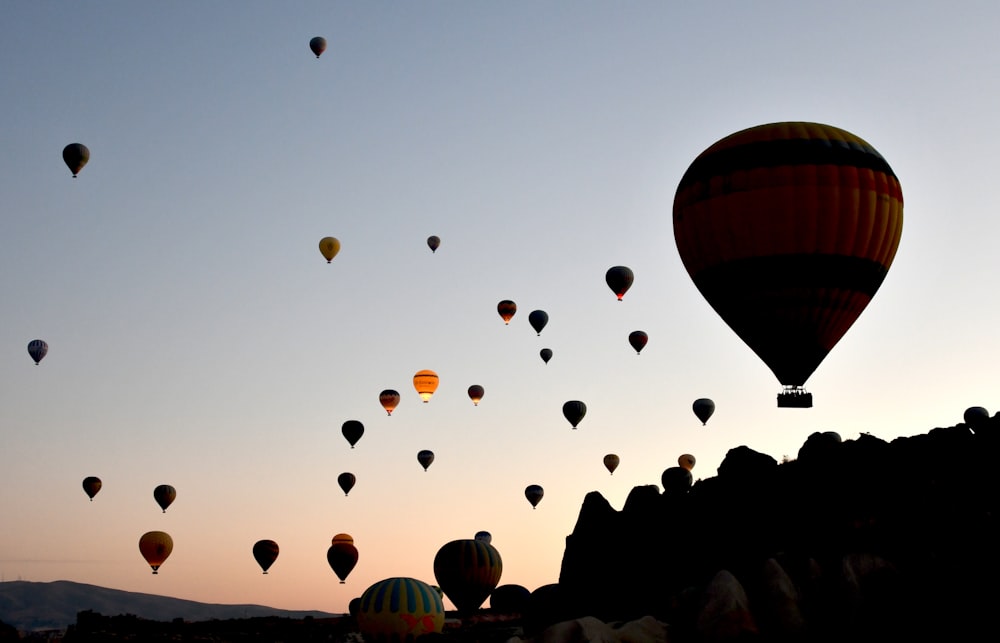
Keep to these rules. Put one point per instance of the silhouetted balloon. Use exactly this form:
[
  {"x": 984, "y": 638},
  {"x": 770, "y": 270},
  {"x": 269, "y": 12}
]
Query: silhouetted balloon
[
  {"x": 265, "y": 552},
  {"x": 574, "y": 410},
  {"x": 425, "y": 458},
  {"x": 788, "y": 230},
  {"x": 509, "y": 599},
  {"x": 433, "y": 242},
  {"x": 426, "y": 382},
  {"x": 164, "y": 495},
  {"x": 75, "y": 155},
  {"x": 38, "y": 349},
  {"x": 534, "y": 493},
  {"x": 155, "y": 547},
  {"x": 395, "y": 610},
  {"x": 619, "y": 280},
  {"x": 352, "y": 430},
  {"x": 686, "y": 461},
  {"x": 546, "y": 354},
  {"x": 703, "y": 408},
  {"x": 467, "y": 571},
  {"x": 317, "y": 45},
  {"x": 506, "y": 308},
  {"x": 484, "y": 536},
  {"x": 611, "y": 462},
  {"x": 538, "y": 319},
  {"x": 342, "y": 557},
  {"x": 329, "y": 247},
  {"x": 342, "y": 538},
  {"x": 346, "y": 482},
  {"x": 476, "y": 393},
  {"x": 676, "y": 480},
  {"x": 637, "y": 339},
  {"x": 91, "y": 485},
  {"x": 975, "y": 416},
  {"x": 389, "y": 399}
]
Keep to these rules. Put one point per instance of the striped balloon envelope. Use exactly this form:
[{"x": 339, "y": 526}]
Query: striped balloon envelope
[
  {"x": 399, "y": 609},
  {"x": 788, "y": 230},
  {"x": 467, "y": 571}
]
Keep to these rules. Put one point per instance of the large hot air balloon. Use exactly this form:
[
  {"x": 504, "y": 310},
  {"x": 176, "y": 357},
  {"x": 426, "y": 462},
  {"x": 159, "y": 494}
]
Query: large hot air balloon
[
  {"x": 703, "y": 408},
  {"x": 389, "y": 399},
  {"x": 538, "y": 319},
  {"x": 75, "y": 155},
  {"x": 342, "y": 556},
  {"x": 476, "y": 393},
  {"x": 676, "y": 480},
  {"x": 619, "y": 280},
  {"x": 426, "y": 382},
  {"x": 265, "y": 552},
  {"x": 433, "y": 242},
  {"x": 164, "y": 495},
  {"x": 637, "y": 339},
  {"x": 574, "y": 410},
  {"x": 788, "y": 230},
  {"x": 425, "y": 458},
  {"x": 546, "y": 354},
  {"x": 155, "y": 547},
  {"x": 611, "y": 462},
  {"x": 352, "y": 430},
  {"x": 534, "y": 493},
  {"x": 329, "y": 247},
  {"x": 38, "y": 349},
  {"x": 506, "y": 308},
  {"x": 467, "y": 571},
  {"x": 346, "y": 482},
  {"x": 317, "y": 45},
  {"x": 396, "y": 610},
  {"x": 91, "y": 485}
]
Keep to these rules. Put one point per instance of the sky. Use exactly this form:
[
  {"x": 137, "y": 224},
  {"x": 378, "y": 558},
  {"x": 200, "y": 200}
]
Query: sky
[{"x": 197, "y": 338}]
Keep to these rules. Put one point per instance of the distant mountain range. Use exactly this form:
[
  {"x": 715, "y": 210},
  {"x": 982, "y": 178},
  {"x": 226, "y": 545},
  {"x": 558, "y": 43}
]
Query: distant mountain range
[{"x": 32, "y": 606}]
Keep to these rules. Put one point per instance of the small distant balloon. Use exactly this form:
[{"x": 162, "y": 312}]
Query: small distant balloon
[
  {"x": 265, "y": 552},
  {"x": 703, "y": 408},
  {"x": 346, "y": 482},
  {"x": 91, "y": 485},
  {"x": 342, "y": 557},
  {"x": 484, "y": 536},
  {"x": 155, "y": 547},
  {"x": 425, "y": 458},
  {"x": 573, "y": 411},
  {"x": 352, "y": 430},
  {"x": 611, "y": 462},
  {"x": 426, "y": 382},
  {"x": 546, "y": 354},
  {"x": 329, "y": 247},
  {"x": 389, "y": 399},
  {"x": 506, "y": 308},
  {"x": 433, "y": 242},
  {"x": 164, "y": 495},
  {"x": 38, "y": 349},
  {"x": 975, "y": 416},
  {"x": 317, "y": 45},
  {"x": 619, "y": 280},
  {"x": 538, "y": 319},
  {"x": 476, "y": 393},
  {"x": 637, "y": 339},
  {"x": 534, "y": 493},
  {"x": 75, "y": 155},
  {"x": 686, "y": 461}
]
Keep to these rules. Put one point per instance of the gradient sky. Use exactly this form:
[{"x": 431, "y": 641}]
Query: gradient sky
[{"x": 197, "y": 337}]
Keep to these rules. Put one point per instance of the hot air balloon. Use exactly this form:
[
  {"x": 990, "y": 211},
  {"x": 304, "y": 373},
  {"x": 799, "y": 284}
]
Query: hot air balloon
[
  {"x": 426, "y": 382},
  {"x": 976, "y": 416},
  {"x": 400, "y": 609},
  {"x": 788, "y": 230},
  {"x": 433, "y": 242},
  {"x": 425, "y": 458},
  {"x": 534, "y": 493},
  {"x": 346, "y": 482},
  {"x": 389, "y": 399},
  {"x": 164, "y": 494},
  {"x": 686, "y": 461},
  {"x": 329, "y": 247},
  {"x": 676, "y": 480},
  {"x": 510, "y": 598},
  {"x": 506, "y": 308},
  {"x": 91, "y": 485},
  {"x": 484, "y": 536},
  {"x": 703, "y": 408},
  {"x": 75, "y": 155},
  {"x": 467, "y": 571},
  {"x": 265, "y": 552},
  {"x": 317, "y": 45},
  {"x": 574, "y": 410},
  {"x": 538, "y": 319},
  {"x": 546, "y": 354},
  {"x": 619, "y": 280},
  {"x": 342, "y": 556},
  {"x": 38, "y": 349},
  {"x": 637, "y": 339},
  {"x": 611, "y": 462},
  {"x": 155, "y": 547},
  {"x": 352, "y": 430},
  {"x": 476, "y": 393}
]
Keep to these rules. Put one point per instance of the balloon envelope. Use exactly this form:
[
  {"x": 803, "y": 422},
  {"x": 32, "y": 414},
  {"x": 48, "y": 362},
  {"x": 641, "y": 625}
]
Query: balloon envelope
[
  {"x": 619, "y": 280},
  {"x": 155, "y": 547},
  {"x": 317, "y": 45},
  {"x": 329, "y": 247},
  {"x": 686, "y": 461},
  {"x": 346, "y": 482},
  {"x": 389, "y": 399},
  {"x": 484, "y": 536},
  {"x": 476, "y": 393},
  {"x": 426, "y": 382},
  {"x": 38, "y": 349},
  {"x": 676, "y": 480},
  {"x": 506, "y": 308},
  {"x": 164, "y": 495},
  {"x": 703, "y": 408},
  {"x": 425, "y": 458},
  {"x": 75, "y": 156},
  {"x": 534, "y": 493},
  {"x": 637, "y": 339},
  {"x": 546, "y": 354},
  {"x": 352, "y": 430},
  {"x": 265, "y": 552},
  {"x": 467, "y": 571},
  {"x": 400, "y": 609},
  {"x": 433, "y": 242},
  {"x": 538, "y": 319},
  {"x": 788, "y": 230},
  {"x": 611, "y": 462},
  {"x": 574, "y": 410},
  {"x": 91, "y": 485},
  {"x": 342, "y": 557}
]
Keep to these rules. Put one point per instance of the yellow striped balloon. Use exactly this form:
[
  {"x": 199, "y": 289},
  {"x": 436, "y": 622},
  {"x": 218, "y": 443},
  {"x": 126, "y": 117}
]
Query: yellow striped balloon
[{"x": 399, "y": 609}]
